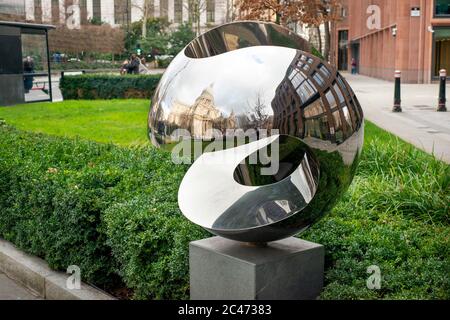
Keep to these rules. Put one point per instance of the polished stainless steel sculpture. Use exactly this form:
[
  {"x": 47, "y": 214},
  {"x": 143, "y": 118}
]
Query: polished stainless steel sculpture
[{"x": 275, "y": 132}]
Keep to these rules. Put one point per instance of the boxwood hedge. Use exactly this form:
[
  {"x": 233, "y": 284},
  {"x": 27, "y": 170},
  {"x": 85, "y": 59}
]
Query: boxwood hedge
[
  {"x": 104, "y": 86},
  {"x": 113, "y": 212}
]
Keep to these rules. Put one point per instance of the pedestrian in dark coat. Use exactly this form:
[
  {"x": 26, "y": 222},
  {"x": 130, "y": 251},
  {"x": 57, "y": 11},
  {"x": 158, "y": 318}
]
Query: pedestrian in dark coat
[
  {"x": 133, "y": 66},
  {"x": 28, "y": 67},
  {"x": 354, "y": 66}
]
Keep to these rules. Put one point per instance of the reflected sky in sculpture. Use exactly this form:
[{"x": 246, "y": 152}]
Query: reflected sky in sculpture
[
  {"x": 246, "y": 75},
  {"x": 260, "y": 70}
]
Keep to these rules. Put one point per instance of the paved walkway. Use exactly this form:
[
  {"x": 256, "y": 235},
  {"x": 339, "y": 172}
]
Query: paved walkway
[
  {"x": 419, "y": 123},
  {"x": 11, "y": 290}
]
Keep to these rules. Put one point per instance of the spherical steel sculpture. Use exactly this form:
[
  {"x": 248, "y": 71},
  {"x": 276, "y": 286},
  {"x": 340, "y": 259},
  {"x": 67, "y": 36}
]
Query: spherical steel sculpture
[{"x": 242, "y": 88}]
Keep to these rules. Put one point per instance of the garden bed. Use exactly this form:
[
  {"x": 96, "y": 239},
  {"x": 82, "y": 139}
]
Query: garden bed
[
  {"x": 113, "y": 211},
  {"x": 104, "y": 86}
]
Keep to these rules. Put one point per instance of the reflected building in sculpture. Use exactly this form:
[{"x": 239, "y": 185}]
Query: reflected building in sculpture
[
  {"x": 312, "y": 103},
  {"x": 201, "y": 117}
]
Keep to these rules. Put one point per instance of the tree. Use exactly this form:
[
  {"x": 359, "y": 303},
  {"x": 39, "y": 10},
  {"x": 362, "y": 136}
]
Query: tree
[
  {"x": 312, "y": 12},
  {"x": 96, "y": 21},
  {"x": 265, "y": 10},
  {"x": 195, "y": 8},
  {"x": 230, "y": 12},
  {"x": 91, "y": 38},
  {"x": 146, "y": 7},
  {"x": 157, "y": 36},
  {"x": 180, "y": 38},
  {"x": 156, "y": 28},
  {"x": 317, "y": 12},
  {"x": 258, "y": 108}
]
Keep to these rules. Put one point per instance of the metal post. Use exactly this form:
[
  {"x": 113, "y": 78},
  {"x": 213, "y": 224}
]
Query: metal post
[
  {"x": 49, "y": 68},
  {"x": 397, "y": 93},
  {"x": 442, "y": 93}
]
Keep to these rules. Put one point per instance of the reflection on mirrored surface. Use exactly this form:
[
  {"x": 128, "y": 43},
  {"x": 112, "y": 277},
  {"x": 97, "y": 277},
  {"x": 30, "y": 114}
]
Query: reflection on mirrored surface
[
  {"x": 35, "y": 67},
  {"x": 279, "y": 131}
]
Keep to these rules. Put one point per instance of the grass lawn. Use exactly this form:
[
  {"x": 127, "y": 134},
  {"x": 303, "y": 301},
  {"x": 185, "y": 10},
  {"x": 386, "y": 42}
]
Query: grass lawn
[
  {"x": 123, "y": 122},
  {"x": 395, "y": 215}
]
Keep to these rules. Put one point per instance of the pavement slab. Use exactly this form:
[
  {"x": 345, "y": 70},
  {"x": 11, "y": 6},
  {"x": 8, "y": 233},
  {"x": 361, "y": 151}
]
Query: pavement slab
[
  {"x": 419, "y": 123},
  {"x": 11, "y": 290}
]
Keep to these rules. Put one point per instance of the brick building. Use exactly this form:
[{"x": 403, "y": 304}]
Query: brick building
[{"x": 385, "y": 35}]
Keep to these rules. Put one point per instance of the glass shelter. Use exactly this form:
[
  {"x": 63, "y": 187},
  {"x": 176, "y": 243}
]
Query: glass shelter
[{"x": 24, "y": 63}]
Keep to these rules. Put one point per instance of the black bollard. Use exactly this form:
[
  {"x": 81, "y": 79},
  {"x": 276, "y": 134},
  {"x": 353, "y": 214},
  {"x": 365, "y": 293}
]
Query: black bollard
[
  {"x": 442, "y": 94},
  {"x": 397, "y": 93}
]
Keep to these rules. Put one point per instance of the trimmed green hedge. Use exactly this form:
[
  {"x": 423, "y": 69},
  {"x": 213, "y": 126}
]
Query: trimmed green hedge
[
  {"x": 113, "y": 212},
  {"x": 103, "y": 86}
]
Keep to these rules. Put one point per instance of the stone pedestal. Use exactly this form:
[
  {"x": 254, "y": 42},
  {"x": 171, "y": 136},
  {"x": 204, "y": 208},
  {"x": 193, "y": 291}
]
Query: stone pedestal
[{"x": 221, "y": 269}]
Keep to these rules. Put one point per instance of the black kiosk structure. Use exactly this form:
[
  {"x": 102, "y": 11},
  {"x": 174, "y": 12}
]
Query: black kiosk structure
[{"x": 24, "y": 63}]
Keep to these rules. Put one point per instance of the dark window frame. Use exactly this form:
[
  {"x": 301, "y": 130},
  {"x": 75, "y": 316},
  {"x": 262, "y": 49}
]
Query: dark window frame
[
  {"x": 439, "y": 16},
  {"x": 433, "y": 56},
  {"x": 210, "y": 11},
  {"x": 164, "y": 9},
  {"x": 178, "y": 11},
  {"x": 96, "y": 9},
  {"x": 122, "y": 12},
  {"x": 343, "y": 48}
]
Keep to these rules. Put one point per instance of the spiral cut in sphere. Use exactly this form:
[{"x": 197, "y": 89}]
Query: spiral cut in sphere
[{"x": 275, "y": 132}]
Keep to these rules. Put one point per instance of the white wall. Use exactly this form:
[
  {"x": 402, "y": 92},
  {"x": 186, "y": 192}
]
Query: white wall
[
  {"x": 29, "y": 10},
  {"x": 89, "y": 9},
  {"x": 46, "y": 11},
  {"x": 171, "y": 11},
  {"x": 107, "y": 11},
  {"x": 136, "y": 13}
]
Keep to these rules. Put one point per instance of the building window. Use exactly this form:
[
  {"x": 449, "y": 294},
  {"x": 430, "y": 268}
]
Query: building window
[
  {"x": 194, "y": 10},
  {"x": 442, "y": 8},
  {"x": 343, "y": 50},
  {"x": 164, "y": 8},
  {"x": 344, "y": 12},
  {"x": 178, "y": 11},
  {"x": 96, "y": 10},
  {"x": 316, "y": 125},
  {"x": 441, "y": 50},
  {"x": 210, "y": 10},
  {"x": 55, "y": 11}
]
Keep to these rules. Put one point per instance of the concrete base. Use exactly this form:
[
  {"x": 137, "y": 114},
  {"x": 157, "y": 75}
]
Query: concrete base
[{"x": 221, "y": 269}]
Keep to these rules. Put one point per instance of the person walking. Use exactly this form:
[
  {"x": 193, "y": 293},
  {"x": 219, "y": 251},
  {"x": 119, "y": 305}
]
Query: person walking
[
  {"x": 28, "y": 68},
  {"x": 354, "y": 66},
  {"x": 133, "y": 66}
]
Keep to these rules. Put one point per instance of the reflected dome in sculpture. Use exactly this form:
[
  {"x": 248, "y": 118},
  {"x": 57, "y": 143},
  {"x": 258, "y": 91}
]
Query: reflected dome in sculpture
[{"x": 275, "y": 132}]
